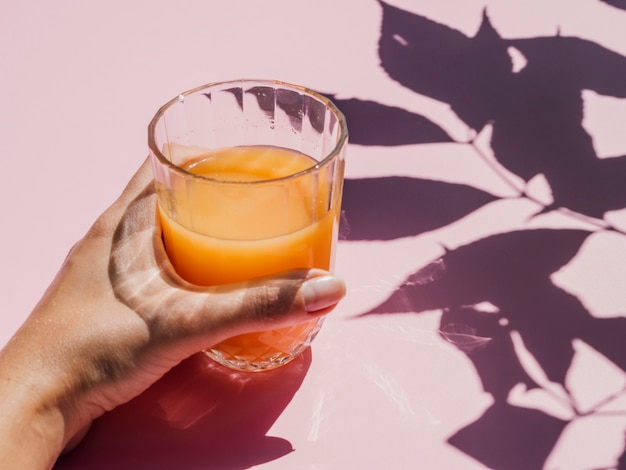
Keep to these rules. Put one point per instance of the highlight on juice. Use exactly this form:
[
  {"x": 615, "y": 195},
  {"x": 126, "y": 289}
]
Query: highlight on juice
[{"x": 249, "y": 176}]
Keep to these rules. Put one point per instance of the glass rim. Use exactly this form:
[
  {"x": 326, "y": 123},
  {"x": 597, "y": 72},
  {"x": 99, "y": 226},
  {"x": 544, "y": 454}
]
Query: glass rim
[{"x": 341, "y": 141}]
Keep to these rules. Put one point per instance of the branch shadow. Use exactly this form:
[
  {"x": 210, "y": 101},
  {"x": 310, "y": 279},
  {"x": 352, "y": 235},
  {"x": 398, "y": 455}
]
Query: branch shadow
[
  {"x": 499, "y": 288},
  {"x": 489, "y": 289},
  {"x": 536, "y": 112}
]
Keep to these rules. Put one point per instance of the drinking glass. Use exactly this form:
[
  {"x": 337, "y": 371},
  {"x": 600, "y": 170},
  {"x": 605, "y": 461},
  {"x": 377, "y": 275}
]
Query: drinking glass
[{"x": 249, "y": 177}]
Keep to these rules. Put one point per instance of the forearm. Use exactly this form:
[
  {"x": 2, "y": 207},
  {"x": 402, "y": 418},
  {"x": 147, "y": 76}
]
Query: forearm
[
  {"x": 39, "y": 412},
  {"x": 33, "y": 394},
  {"x": 31, "y": 432}
]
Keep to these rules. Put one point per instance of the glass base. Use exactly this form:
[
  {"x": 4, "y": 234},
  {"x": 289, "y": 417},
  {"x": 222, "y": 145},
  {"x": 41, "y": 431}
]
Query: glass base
[{"x": 267, "y": 350}]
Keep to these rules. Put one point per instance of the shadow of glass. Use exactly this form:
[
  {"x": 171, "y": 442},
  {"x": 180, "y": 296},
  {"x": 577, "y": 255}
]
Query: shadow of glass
[{"x": 199, "y": 415}]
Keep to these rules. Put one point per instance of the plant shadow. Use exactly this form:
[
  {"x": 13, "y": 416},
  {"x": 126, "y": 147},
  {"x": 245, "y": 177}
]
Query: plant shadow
[{"x": 496, "y": 294}]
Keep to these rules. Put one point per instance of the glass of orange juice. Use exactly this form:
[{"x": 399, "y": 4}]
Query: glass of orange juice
[{"x": 249, "y": 177}]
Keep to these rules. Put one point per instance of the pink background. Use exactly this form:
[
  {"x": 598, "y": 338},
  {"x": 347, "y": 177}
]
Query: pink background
[{"x": 415, "y": 383}]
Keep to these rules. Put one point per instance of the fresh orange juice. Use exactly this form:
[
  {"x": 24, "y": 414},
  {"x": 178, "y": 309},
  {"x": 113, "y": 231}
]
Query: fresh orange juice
[{"x": 230, "y": 232}]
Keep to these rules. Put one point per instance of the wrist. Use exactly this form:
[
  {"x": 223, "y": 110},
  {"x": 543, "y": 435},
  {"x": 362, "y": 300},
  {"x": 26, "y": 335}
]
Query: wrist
[{"x": 31, "y": 430}]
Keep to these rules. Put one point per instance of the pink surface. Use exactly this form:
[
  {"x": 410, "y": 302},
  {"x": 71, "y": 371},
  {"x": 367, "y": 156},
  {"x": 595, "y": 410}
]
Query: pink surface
[{"x": 499, "y": 148}]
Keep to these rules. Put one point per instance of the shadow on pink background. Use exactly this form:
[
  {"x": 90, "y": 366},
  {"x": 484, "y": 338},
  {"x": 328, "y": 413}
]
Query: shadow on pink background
[
  {"x": 483, "y": 236},
  {"x": 200, "y": 415}
]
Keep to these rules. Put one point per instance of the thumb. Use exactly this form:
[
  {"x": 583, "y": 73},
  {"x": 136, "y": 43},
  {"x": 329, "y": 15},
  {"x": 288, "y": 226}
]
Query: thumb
[{"x": 292, "y": 297}]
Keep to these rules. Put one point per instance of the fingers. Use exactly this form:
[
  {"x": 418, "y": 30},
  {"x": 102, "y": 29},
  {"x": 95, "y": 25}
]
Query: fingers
[
  {"x": 176, "y": 311},
  {"x": 322, "y": 292},
  {"x": 292, "y": 297},
  {"x": 204, "y": 317}
]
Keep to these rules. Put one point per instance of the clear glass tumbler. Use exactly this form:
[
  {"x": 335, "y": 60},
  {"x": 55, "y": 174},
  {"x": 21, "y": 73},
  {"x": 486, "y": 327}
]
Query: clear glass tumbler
[{"x": 249, "y": 177}]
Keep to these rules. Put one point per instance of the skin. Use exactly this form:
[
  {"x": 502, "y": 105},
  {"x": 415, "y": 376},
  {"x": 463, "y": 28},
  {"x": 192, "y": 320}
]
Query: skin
[{"x": 116, "y": 318}]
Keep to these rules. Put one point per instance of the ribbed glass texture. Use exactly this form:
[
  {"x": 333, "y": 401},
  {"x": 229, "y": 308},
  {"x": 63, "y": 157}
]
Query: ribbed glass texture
[{"x": 251, "y": 113}]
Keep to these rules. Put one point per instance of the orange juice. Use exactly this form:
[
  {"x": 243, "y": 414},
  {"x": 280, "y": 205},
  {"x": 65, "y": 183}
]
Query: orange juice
[{"x": 255, "y": 221}]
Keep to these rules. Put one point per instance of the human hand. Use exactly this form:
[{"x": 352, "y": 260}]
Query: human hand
[{"x": 116, "y": 318}]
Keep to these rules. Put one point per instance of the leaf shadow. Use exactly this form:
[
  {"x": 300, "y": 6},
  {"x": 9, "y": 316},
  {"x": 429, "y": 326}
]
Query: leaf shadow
[
  {"x": 621, "y": 4},
  {"x": 373, "y": 123},
  {"x": 500, "y": 284},
  {"x": 536, "y": 111},
  {"x": 393, "y": 207},
  {"x": 519, "y": 438}
]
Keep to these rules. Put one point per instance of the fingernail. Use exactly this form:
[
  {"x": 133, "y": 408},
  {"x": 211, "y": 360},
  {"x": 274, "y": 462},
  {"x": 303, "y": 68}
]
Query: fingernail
[{"x": 322, "y": 292}]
